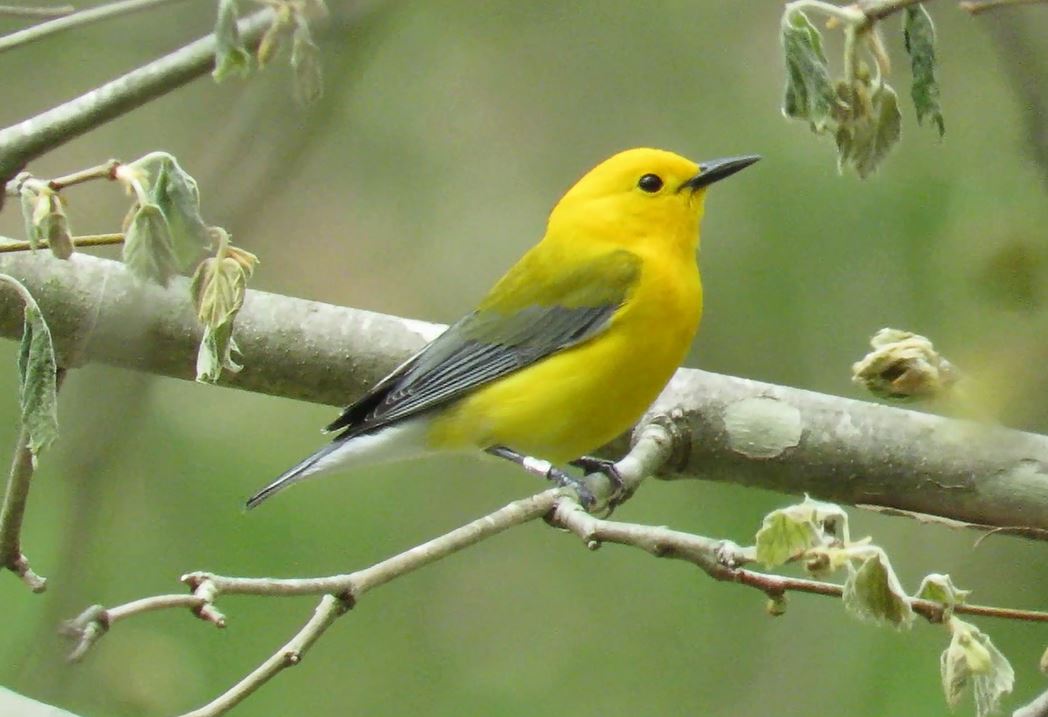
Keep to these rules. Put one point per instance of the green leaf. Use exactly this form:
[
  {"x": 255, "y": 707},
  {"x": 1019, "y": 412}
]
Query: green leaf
[
  {"x": 972, "y": 659},
  {"x": 274, "y": 34},
  {"x": 175, "y": 192},
  {"x": 216, "y": 353},
  {"x": 231, "y": 55},
  {"x": 787, "y": 533},
  {"x": 873, "y": 592},
  {"x": 218, "y": 288},
  {"x": 59, "y": 236},
  {"x": 37, "y": 374},
  {"x": 29, "y": 197},
  {"x": 809, "y": 92},
  {"x": 783, "y": 537},
  {"x": 873, "y": 128},
  {"x": 148, "y": 249},
  {"x": 940, "y": 588},
  {"x": 305, "y": 64},
  {"x": 919, "y": 34},
  {"x": 45, "y": 219}
]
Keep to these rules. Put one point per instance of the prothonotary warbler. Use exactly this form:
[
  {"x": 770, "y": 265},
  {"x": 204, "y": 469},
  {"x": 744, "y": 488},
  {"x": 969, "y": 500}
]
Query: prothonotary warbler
[{"x": 569, "y": 347}]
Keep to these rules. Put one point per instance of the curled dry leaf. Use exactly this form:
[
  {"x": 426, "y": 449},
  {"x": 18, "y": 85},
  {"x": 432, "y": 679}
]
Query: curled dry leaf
[{"x": 904, "y": 365}]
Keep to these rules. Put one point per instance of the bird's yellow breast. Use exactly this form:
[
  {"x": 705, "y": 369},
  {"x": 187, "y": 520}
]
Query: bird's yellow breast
[{"x": 576, "y": 400}]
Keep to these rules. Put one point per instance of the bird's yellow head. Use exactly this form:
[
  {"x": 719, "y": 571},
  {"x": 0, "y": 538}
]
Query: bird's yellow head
[{"x": 643, "y": 194}]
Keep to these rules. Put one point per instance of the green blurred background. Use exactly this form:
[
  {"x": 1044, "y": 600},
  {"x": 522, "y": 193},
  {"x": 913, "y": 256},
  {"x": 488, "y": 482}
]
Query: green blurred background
[{"x": 447, "y": 132}]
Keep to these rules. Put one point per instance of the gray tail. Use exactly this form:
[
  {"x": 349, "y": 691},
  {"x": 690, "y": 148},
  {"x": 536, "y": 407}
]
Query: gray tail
[{"x": 290, "y": 476}]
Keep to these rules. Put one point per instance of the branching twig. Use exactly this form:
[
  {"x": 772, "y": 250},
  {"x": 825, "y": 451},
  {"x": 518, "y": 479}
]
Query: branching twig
[
  {"x": 327, "y": 611},
  {"x": 24, "y": 11},
  {"x": 721, "y": 559},
  {"x": 77, "y": 19},
  {"x": 341, "y": 592},
  {"x": 34, "y": 137},
  {"x": 79, "y": 242}
]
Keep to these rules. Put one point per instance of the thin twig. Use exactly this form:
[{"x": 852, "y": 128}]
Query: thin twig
[
  {"x": 27, "y": 140},
  {"x": 979, "y": 6},
  {"x": 87, "y": 627},
  {"x": 352, "y": 586},
  {"x": 77, "y": 19},
  {"x": 106, "y": 170},
  {"x": 327, "y": 611},
  {"x": 21, "y": 11},
  {"x": 80, "y": 241},
  {"x": 723, "y": 560},
  {"x": 879, "y": 9},
  {"x": 16, "y": 495},
  {"x": 12, "y": 512}
]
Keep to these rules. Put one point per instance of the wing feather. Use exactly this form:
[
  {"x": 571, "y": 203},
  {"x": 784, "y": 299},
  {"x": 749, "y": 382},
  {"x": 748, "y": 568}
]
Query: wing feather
[{"x": 514, "y": 328}]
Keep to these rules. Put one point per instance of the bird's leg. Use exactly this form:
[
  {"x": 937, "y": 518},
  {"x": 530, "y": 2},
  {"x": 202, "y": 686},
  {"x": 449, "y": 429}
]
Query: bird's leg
[{"x": 545, "y": 469}]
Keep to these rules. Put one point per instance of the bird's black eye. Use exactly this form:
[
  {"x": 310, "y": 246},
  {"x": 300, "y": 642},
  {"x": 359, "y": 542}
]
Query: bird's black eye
[{"x": 650, "y": 183}]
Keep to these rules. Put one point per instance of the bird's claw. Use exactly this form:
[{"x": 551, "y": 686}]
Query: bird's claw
[
  {"x": 563, "y": 480},
  {"x": 592, "y": 464}
]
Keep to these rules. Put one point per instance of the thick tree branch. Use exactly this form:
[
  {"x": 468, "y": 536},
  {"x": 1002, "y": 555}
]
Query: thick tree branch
[
  {"x": 725, "y": 428},
  {"x": 49, "y": 130}
]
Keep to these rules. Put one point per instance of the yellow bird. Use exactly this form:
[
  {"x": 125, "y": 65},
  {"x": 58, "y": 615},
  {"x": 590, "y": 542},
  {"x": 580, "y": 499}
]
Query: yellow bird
[{"x": 569, "y": 347}]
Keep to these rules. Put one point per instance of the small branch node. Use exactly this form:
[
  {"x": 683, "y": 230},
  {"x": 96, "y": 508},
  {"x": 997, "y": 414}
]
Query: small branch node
[
  {"x": 209, "y": 613},
  {"x": 20, "y": 566},
  {"x": 348, "y": 599},
  {"x": 292, "y": 657},
  {"x": 731, "y": 555},
  {"x": 85, "y": 630}
]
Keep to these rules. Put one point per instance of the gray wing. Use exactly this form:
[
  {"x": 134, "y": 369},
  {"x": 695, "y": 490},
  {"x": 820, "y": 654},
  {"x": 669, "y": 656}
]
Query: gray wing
[
  {"x": 478, "y": 349},
  {"x": 537, "y": 309}
]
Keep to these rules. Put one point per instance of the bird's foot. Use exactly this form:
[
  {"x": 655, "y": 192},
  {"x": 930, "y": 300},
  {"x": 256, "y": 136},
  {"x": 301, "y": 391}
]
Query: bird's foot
[{"x": 592, "y": 464}]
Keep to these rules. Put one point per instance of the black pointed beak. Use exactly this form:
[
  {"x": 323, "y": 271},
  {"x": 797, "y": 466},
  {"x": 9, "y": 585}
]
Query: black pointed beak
[{"x": 717, "y": 169}]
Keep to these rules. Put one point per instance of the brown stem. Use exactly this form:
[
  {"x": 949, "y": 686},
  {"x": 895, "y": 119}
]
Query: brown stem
[
  {"x": 105, "y": 170},
  {"x": 80, "y": 241},
  {"x": 721, "y": 560}
]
